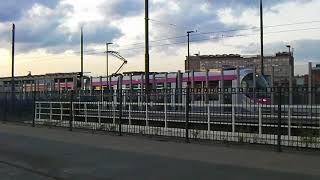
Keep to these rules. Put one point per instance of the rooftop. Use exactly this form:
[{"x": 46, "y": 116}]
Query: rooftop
[
  {"x": 239, "y": 56},
  {"x": 48, "y": 75}
]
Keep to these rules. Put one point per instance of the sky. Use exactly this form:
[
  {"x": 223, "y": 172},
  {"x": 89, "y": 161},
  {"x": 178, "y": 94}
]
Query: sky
[{"x": 48, "y": 32}]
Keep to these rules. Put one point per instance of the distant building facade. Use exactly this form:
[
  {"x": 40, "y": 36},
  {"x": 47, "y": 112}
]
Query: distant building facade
[
  {"x": 40, "y": 83},
  {"x": 283, "y": 64},
  {"x": 315, "y": 78},
  {"x": 316, "y": 75}
]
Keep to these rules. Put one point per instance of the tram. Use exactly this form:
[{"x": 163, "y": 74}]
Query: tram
[{"x": 240, "y": 86}]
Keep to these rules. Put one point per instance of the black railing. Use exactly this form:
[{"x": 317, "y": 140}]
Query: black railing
[{"x": 227, "y": 115}]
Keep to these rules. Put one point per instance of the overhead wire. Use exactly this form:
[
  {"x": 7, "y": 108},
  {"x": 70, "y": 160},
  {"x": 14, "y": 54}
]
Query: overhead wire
[
  {"x": 94, "y": 52},
  {"x": 206, "y": 39}
]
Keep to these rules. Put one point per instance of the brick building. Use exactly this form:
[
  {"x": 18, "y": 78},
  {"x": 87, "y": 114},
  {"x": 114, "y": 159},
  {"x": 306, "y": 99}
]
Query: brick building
[
  {"x": 283, "y": 64},
  {"x": 316, "y": 76},
  {"x": 315, "y": 79}
]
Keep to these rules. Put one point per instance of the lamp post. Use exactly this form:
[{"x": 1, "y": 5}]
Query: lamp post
[
  {"x": 81, "y": 56},
  {"x": 290, "y": 76},
  {"x": 289, "y": 47},
  {"x": 147, "y": 57},
  {"x": 261, "y": 38},
  {"x": 107, "y": 61},
  {"x": 188, "y": 58}
]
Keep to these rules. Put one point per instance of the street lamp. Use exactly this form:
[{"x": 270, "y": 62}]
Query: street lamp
[
  {"x": 107, "y": 61},
  {"x": 289, "y": 47},
  {"x": 290, "y": 58},
  {"x": 188, "y": 60}
]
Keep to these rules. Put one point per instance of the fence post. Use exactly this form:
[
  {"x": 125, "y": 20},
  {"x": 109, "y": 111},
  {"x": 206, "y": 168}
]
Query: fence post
[
  {"x": 260, "y": 120},
  {"x": 61, "y": 111},
  {"x": 5, "y": 108},
  {"x": 165, "y": 115},
  {"x": 233, "y": 119},
  {"x": 130, "y": 109},
  {"x": 71, "y": 111},
  {"x": 289, "y": 122},
  {"x": 187, "y": 109},
  {"x": 279, "y": 119},
  {"x": 120, "y": 111},
  {"x": 40, "y": 111},
  {"x": 209, "y": 118},
  {"x": 113, "y": 109},
  {"x": 34, "y": 110},
  {"x": 99, "y": 113},
  {"x": 50, "y": 112},
  {"x": 147, "y": 115},
  {"x": 86, "y": 113}
]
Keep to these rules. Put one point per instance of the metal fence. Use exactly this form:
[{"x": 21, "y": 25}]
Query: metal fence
[{"x": 227, "y": 115}]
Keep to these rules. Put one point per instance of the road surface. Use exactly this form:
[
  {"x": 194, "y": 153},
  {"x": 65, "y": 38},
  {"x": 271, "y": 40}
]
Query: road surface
[{"x": 40, "y": 153}]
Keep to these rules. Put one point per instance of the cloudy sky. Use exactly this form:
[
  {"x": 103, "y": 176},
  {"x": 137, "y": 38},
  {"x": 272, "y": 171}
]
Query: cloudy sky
[{"x": 48, "y": 32}]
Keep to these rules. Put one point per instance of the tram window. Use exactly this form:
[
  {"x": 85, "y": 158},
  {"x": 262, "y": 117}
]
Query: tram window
[
  {"x": 135, "y": 86},
  {"x": 198, "y": 85},
  {"x": 261, "y": 85},
  {"x": 169, "y": 85},
  {"x": 213, "y": 84},
  {"x": 247, "y": 82},
  {"x": 160, "y": 86},
  {"x": 227, "y": 84}
]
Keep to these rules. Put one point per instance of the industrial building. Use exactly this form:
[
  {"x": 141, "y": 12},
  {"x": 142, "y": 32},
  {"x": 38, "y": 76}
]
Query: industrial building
[{"x": 281, "y": 64}]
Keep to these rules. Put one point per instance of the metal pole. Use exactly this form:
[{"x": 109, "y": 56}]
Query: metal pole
[
  {"x": 81, "y": 75},
  {"x": 290, "y": 76},
  {"x": 238, "y": 86},
  {"x": 12, "y": 56},
  {"x": 290, "y": 87},
  {"x": 187, "y": 113},
  {"x": 188, "y": 58},
  {"x": 5, "y": 113},
  {"x": 71, "y": 111},
  {"x": 188, "y": 66},
  {"x": 147, "y": 44},
  {"x": 310, "y": 84},
  {"x": 272, "y": 89},
  {"x": 107, "y": 62},
  {"x": 34, "y": 109},
  {"x": 279, "y": 119},
  {"x": 101, "y": 89},
  {"x": 120, "y": 103},
  {"x": 261, "y": 37},
  {"x": 188, "y": 34}
]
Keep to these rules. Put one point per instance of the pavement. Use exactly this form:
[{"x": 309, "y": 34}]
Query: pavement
[{"x": 41, "y": 153}]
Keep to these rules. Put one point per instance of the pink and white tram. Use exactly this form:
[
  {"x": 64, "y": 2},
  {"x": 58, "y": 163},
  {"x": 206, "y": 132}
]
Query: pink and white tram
[{"x": 225, "y": 79}]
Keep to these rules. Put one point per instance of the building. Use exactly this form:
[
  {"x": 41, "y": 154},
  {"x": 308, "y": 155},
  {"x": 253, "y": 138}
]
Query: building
[
  {"x": 282, "y": 63},
  {"x": 46, "y": 82},
  {"x": 316, "y": 76},
  {"x": 303, "y": 81}
]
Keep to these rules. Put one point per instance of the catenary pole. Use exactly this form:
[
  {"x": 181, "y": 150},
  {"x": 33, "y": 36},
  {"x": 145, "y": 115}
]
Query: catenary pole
[
  {"x": 147, "y": 68},
  {"x": 261, "y": 37},
  {"x": 12, "y": 60}
]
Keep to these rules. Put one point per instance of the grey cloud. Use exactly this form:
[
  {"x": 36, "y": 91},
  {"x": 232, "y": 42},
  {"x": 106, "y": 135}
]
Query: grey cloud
[
  {"x": 30, "y": 35},
  {"x": 49, "y": 35},
  {"x": 124, "y": 8},
  {"x": 304, "y": 50},
  {"x": 192, "y": 17},
  {"x": 12, "y": 10}
]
